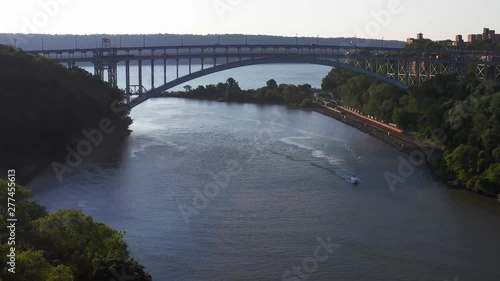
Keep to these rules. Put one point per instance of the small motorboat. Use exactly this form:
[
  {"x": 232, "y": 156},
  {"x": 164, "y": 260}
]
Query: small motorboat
[{"x": 354, "y": 179}]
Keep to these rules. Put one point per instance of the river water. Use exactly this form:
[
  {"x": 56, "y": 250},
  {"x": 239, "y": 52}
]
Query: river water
[
  {"x": 250, "y": 77},
  {"x": 274, "y": 184}
]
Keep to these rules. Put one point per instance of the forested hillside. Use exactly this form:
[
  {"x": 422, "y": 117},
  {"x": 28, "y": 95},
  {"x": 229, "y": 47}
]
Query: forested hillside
[
  {"x": 468, "y": 111},
  {"x": 45, "y": 106}
]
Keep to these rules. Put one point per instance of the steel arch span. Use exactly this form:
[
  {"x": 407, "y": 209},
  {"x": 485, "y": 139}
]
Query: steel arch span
[{"x": 277, "y": 60}]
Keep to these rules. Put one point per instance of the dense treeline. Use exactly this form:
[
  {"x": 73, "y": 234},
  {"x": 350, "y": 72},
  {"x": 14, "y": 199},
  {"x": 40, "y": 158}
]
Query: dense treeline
[
  {"x": 272, "y": 93},
  {"x": 371, "y": 96},
  {"x": 44, "y": 106},
  {"x": 63, "y": 246},
  {"x": 467, "y": 111},
  {"x": 485, "y": 45}
]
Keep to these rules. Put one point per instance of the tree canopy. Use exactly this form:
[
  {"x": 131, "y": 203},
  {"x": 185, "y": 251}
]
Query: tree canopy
[
  {"x": 45, "y": 106},
  {"x": 468, "y": 111},
  {"x": 272, "y": 93},
  {"x": 64, "y": 246}
]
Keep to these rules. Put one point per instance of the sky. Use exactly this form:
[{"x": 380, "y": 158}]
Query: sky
[{"x": 376, "y": 19}]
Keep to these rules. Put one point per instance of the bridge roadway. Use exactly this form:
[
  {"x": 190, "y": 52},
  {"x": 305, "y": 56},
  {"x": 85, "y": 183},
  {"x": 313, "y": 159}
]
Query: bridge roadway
[
  {"x": 399, "y": 67},
  {"x": 69, "y": 53}
]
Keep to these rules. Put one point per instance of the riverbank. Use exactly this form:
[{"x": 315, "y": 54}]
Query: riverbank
[
  {"x": 390, "y": 135},
  {"x": 400, "y": 141}
]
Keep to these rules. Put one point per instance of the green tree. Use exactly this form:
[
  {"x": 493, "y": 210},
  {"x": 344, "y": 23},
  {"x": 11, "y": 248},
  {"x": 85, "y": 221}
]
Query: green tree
[
  {"x": 45, "y": 106},
  {"x": 26, "y": 211},
  {"x": 306, "y": 103},
  {"x": 83, "y": 240},
  {"x": 462, "y": 162},
  {"x": 107, "y": 269},
  {"x": 292, "y": 94},
  {"x": 233, "y": 88},
  {"x": 34, "y": 267},
  {"x": 272, "y": 85}
]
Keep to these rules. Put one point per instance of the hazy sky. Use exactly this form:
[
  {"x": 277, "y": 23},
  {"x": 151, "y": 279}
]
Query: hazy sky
[{"x": 437, "y": 19}]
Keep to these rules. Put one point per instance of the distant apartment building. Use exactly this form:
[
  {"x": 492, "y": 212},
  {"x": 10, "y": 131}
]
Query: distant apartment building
[
  {"x": 418, "y": 40},
  {"x": 492, "y": 35},
  {"x": 488, "y": 34},
  {"x": 472, "y": 38}
]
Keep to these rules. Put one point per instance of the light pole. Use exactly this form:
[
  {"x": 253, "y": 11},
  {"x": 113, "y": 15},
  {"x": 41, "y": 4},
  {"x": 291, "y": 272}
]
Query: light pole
[
  {"x": 297, "y": 39},
  {"x": 144, "y": 40},
  {"x": 15, "y": 43},
  {"x": 120, "y": 41},
  {"x": 42, "y": 44},
  {"x": 76, "y": 42},
  {"x": 218, "y": 39},
  {"x": 246, "y": 39},
  {"x": 382, "y": 42}
]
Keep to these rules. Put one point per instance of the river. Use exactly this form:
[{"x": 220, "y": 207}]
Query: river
[
  {"x": 250, "y": 77},
  {"x": 276, "y": 191}
]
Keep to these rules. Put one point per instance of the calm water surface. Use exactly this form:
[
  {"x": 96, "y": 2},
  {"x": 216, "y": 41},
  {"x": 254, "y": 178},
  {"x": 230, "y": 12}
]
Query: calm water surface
[
  {"x": 250, "y": 77},
  {"x": 282, "y": 176}
]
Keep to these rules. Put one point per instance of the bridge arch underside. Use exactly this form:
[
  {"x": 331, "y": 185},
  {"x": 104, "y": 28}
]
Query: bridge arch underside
[{"x": 249, "y": 62}]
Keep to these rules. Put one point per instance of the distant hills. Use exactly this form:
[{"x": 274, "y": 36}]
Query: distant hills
[{"x": 34, "y": 41}]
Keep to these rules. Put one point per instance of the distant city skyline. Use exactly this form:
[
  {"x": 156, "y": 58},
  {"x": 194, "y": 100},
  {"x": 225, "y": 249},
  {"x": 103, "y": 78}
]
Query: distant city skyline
[{"x": 376, "y": 19}]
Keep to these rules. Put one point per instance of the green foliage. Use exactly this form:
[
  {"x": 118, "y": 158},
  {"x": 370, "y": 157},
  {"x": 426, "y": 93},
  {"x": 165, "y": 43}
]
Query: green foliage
[
  {"x": 83, "y": 240},
  {"x": 462, "y": 161},
  {"x": 45, "y": 106},
  {"x": 270, "y": 94},
  {"x": 306, "y": 103},
  {"x": 232, "y": 89},
  {"x": 364, "y": 93},
  {"x": 467, "y": 111},
  {"x": 64, "y": 246},
  {"x": 26, "y": 211},
  {"x": 107, "y": 268},
  {"x": 188, "y": 88},
  {"x": 33, "y": 266},
  {"x": 42, "y": 99},
  {"x": 272, "y": 85},
  {"x": 427, "y": 44}
]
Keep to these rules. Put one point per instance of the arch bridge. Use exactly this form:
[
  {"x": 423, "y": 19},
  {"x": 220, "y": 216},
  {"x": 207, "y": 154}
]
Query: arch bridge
[{"x": 398, "y": 67}]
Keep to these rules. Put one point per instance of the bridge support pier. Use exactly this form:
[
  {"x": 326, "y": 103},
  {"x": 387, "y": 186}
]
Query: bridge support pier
[
  {"x": 105, "y": 60},
  {"x": 152, "y": 74},
  {"x": 140, "y": 77},
  {"x": 189, "y": 66},
  {"x": 164, "y": 71},
  {"x": 177, "y": 62},
  {"x": 127, "y": 81}
]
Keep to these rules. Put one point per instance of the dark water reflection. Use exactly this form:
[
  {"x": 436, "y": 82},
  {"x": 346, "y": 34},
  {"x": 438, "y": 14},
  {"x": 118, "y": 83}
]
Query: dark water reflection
[{"x": 290, "y": 191}]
